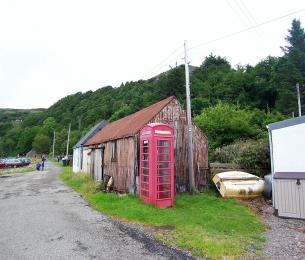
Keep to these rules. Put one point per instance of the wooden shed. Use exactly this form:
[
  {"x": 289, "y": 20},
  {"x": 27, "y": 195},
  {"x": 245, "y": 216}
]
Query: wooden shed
[
  {"x": 114, "y": 150},
  {"x": 78, "y": 148},
  {"x": 287, "y": 149}
]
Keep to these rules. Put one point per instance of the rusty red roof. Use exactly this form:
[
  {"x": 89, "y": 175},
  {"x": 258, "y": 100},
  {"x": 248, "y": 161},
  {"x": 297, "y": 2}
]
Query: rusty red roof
[{"x": 129, "y": 125}]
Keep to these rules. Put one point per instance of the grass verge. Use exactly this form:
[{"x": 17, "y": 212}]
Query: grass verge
[
  {"x": 204, "y": 224},
  {"x": 17, "y": 170}
]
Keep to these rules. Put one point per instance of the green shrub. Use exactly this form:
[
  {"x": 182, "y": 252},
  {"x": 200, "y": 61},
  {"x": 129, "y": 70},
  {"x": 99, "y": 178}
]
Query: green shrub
[
  {"x": 226, "y": 123},
  {"x": 252, "y": 155}
]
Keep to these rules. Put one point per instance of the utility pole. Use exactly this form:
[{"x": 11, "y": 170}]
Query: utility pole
[
  {"x": 189, "y": 122},
  {"x": 79, "y": 121},
  {"x": 299, "y": 99},
  {"x": 54, "y": 144},
  {"x": 67, "y": 152}
]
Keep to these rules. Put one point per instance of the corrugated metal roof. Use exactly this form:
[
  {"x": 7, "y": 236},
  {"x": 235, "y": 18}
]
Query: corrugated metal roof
[
  {"x": 129, "y": 125},
  {"x": 91, "y": 133}
]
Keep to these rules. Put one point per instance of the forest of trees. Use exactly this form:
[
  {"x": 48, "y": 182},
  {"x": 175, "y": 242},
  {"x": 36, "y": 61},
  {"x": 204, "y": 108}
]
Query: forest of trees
[{"x": 230, "y": 104}]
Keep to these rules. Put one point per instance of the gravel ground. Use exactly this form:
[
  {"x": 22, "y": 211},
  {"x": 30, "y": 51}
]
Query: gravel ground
[
  {"x": 41, "y": 218},
  {"x": 285, "y": 237}
]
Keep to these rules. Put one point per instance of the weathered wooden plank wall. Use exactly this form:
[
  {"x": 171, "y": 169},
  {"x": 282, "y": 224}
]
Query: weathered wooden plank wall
[
  {"x": 126, "y": 168},
  {"x": 122, "y": 169},
  {"x": 85, "y": 160},
  {"x": 173, "y": 115}
]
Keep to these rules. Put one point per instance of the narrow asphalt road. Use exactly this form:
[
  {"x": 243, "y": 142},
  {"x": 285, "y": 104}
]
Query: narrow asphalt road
[{"x": 41, "y": 218}]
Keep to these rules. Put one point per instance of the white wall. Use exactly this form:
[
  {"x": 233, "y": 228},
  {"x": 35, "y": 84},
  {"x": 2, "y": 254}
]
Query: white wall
[
  {"x": 289, "y": 149},
  {"x": 77, "y": 158}
]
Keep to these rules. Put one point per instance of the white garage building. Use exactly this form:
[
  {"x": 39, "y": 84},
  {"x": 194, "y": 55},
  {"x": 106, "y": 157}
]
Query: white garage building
[
  {"x": 78, "y": 148},
  {"x": 287, "y": 151}
]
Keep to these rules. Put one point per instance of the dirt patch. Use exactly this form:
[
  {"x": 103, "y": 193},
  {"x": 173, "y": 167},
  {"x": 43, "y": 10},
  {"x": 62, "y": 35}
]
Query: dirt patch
[
  {"x": 5, "y": 176},
  {"x": 147, "y": 234}
]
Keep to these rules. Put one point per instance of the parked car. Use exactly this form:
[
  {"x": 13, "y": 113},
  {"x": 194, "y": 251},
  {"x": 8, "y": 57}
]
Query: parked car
[
  {"x": 13, "y": 163},
  {"x": 2, "y": 164},
  {"x": 25, "y": 161}
]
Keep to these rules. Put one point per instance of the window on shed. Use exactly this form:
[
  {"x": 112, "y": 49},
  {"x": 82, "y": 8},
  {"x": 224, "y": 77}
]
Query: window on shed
[{"x": 114, "y": 151}]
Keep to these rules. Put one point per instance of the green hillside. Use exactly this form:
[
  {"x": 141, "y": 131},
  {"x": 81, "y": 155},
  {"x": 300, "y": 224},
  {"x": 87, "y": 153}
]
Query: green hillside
[
  {"x": 229, "y": 103},
  {"x": 10, "y": 114}
]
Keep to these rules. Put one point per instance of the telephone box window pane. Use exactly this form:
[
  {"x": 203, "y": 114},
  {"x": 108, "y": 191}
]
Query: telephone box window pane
[
  {"x": 163, "y": 150},
  {"x": 164, "y": 179},
  {"x": 145, "y": 178},
  {"x": 145, "y": 142},
  {"x": 164, "y": 195},
  {"x": 164, "y": 187},
  {"x": 145, "y": 186},
  {"x": 145, "y": 193},
  {"x": 163, "y": 165},
  {"x": 163, "y": 157},
  {"x": 145, "y": 164},
  {"x": 145, "y": 149},
  {"x": 163, "y": 172},
  {"x": 145, "y": 171},
  {"x": 145, "y": 157},
  {"x": 163, "y": 143}
]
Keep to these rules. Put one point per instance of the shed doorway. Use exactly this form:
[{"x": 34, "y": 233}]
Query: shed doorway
[{"x": 99, "y": 164}]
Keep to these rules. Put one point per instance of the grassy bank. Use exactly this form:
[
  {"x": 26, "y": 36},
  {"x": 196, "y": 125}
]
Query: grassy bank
[{"x": 204, "y": 224}]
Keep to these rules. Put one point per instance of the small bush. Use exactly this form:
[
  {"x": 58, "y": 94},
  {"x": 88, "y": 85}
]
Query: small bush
[{"x": 255, "y": 156}]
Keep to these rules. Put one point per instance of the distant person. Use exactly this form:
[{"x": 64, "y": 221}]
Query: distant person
[
  {"x": 43, "y": 159},
  {"x": 38, "y": 166}
]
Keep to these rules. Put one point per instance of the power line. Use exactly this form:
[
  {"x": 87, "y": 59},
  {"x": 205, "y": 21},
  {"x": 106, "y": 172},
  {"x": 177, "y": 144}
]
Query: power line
[
  {"x": 232, "y": 8},
  {"x": 246, "y": 29},
  {"x": 244, "y": 12},
  {"x": 248, "y": 11},
  {"x": 165, "y": 60}
]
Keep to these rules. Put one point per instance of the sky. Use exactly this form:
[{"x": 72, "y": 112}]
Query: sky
[{"x": 50, "y": 49}]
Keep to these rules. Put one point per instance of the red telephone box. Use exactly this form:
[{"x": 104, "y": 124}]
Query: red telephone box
[{"x": 156, "y": 184}]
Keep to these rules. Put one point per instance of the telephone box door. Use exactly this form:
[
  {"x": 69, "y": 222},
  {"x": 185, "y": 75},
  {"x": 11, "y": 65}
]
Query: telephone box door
[
  {"x": 144, "y": 171},
  {"x": 165, "y": 172}
]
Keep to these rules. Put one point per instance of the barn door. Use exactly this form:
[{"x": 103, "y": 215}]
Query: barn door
[
  {"x": 92, "y": 164},
  {"x": 88, "y": 163},
  {"x": 97, "y": 165}
]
